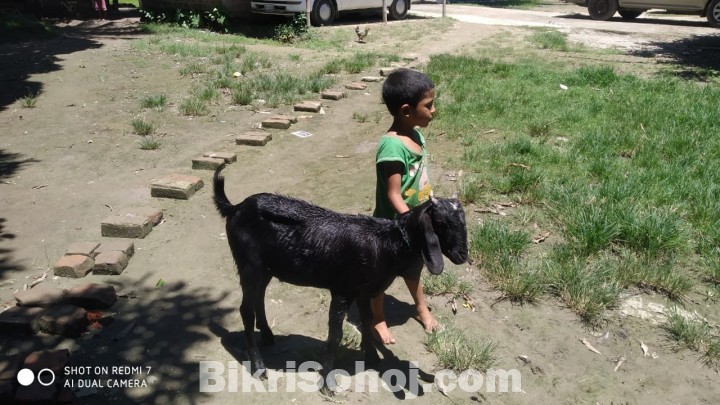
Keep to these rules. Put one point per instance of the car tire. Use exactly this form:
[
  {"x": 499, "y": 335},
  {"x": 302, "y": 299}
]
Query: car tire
[
  {"x": 629, "y": 14},
  {"x": 602, "y": 9},
  {"x": 323, "y": 13},
  {"x": 713, "y": 13},
  {"x": 398, "y": 9}
]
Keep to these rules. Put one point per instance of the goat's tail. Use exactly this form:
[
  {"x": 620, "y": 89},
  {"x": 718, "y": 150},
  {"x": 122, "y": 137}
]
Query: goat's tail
[{"x": 221, "y": 201}]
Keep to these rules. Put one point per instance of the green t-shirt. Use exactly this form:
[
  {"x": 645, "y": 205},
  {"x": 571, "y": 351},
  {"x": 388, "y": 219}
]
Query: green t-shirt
[{"x": 414, "y": 181}]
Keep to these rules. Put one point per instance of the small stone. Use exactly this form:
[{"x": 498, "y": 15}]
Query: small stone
[
  {"x": 112, "y": 262},
  {"x": 178, "y": 186},
  {"x": 332, "y": 95},
  {"x": 82, "y": 248},
  {"x": 74, "y": 266},
  {"x": 256, "y": 138},
  {"x": 67, "y": 320},
  {"x": 276, "y": 123},
  {"x": 125, "y": 246},
  {"x": 20, "y": 319},
  {"x": 207, "y": 163},
  {"x": 228, "y": 157},
  {"x": 311, "y": 106},
  {"x": 384, "y": 72},
  {"x": 372, "y": 79},
  {"x": 356, "y": 86},
  {"x": 40, "y": 296},
  {"x": 92, "y": 296}
]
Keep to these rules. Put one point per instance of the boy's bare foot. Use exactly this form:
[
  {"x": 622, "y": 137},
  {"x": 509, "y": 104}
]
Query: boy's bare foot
[
  {"x": 382, "y": 334},
  {"x": 429, "y": 323}
]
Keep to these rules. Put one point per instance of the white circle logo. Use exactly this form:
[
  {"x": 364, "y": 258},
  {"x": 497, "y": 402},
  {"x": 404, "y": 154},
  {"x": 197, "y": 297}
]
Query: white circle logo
[
  {"x": 25, "y": 377},
  {"x": 48, "y": 381}
]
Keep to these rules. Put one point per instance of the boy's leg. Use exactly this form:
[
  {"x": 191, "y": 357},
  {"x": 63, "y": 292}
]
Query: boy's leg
[
  {"x": 380, "y": 328},
  {"x": 423, "y": 313}
]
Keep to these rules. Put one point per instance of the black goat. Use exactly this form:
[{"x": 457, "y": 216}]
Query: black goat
[{"x": 356, "y": 257}]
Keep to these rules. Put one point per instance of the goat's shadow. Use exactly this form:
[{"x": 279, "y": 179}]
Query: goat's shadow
[{"x": 399, "y": 376}]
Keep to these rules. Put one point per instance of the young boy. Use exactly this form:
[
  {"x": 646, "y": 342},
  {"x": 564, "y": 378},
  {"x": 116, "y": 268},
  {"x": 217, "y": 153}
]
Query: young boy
[{"x": 402, "y": 177}]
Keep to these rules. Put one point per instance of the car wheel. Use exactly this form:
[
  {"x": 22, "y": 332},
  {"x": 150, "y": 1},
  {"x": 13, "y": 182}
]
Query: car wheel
[
  {"x": 602, "y": 9},
  {"x": 713, "y": 13},
  {"x": 629, "y": 14},
  {"x": 399, "y": 9},
  {"x": 323, "y": 13}
]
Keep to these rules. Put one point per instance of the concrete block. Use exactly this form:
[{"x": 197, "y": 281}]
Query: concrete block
[
  {"x": 356, "y": 86},
  {"x": 40, "y": 296},
  {"x": 67, "y": 320},
  {"x": 18, "y": 319},
  {"x": 179, "y": 186},
  {"x": 207, "y": 163},
  {"x": 276, "y": 123},
  {"x": 372, "y": 79},
  {"x": 228, "y": 157},
  {"x": 256, "y": 138},
  {"x": 384, "y": 72},
  {"x": 332, "y": 95},
  {"x": 82, "y": 248},
  {"x": 92, "y": 296},
  {"x": 309, "y": 105},
  {"x": 113, "y": 262},
  {"x": 125, "y": 246},
  {"x": 74, "y": 266}
]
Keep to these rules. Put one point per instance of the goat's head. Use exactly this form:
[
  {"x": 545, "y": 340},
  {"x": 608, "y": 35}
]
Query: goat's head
[{"x": 443, "y": 225}]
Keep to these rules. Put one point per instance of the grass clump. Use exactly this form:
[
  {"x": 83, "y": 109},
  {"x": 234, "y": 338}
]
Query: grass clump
[
  {"x": 29, "y": 101},
  {"x": 142, "y": 127},
  {"x": 149, "y": 143},
  {"x": 156, "y": 101},
  {"x": 193, "y": 107},
  {"x": 457, "y": 352}
]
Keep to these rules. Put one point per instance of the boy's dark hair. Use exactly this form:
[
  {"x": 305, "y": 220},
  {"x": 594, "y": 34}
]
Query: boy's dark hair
[{"x": 405, "y": 86}]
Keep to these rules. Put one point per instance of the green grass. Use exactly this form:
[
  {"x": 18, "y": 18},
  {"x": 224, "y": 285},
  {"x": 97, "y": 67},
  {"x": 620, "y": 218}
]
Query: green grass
[
  {"x": 156, "y": 101},
  {"x": 193, "y": 107},
  {"x": 29, "y": 101},
  {"x": 358, "y": 62},
  {"x": 457, "y": 352},
  {"x": 142, "y": 127},
  {"x": 446, "y": 283},
  {"x": 693, "y": 334},
  {"x": 19, "y": 27},
  {"x": 149, "y": 143},
  {"x": 552, "y": 39}
]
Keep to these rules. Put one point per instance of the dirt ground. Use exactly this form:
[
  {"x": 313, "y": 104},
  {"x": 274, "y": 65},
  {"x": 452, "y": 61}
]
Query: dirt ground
[{"x": 71, "y": 161}]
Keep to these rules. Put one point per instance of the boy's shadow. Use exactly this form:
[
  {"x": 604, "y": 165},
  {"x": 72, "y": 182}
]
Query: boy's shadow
[{"x": 398, "y": 375}]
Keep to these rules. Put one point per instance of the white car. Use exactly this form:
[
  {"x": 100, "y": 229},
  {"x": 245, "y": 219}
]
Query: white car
[
  {"x": 324, "y": 12},
  {"x": 631, "y": 9}
]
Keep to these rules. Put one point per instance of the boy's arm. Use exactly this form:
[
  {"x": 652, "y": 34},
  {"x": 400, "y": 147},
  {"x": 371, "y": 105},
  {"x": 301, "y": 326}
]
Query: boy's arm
[{"x": 393, "y": 174}]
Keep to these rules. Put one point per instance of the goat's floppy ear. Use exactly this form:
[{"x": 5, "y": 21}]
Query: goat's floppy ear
[{"x": 431, "y": 253}]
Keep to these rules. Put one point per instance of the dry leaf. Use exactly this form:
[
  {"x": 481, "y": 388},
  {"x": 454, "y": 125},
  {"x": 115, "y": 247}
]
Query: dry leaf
[
  {"x": 644, "y": 348},
  {"x": 519, "y": 165},
  {"x": 619, "y": 363},
  {"x": 590, "y": 347},
  {"x": 541, "y": 238}
]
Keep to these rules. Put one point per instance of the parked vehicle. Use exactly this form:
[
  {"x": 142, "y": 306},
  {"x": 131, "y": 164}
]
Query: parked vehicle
[
  {"x": 631, "y": 9},
  {"x": 324, "y": 12}
]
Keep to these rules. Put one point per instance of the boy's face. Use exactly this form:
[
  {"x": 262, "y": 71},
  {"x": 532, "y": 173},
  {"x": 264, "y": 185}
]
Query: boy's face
[{"x": 422, "y": 113}]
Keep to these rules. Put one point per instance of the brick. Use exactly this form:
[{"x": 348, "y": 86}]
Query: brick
[
  {"x": 228, "y": 157},
  {"x": 67, "y": 320},
  {"x": 292, "y": 118},
  {"x": 112, "y": 262},
  {"x": 311, "y": 106},
  {"x": 82, "y": 248},
  {"x": 410, "y": 57},
  {"x": 92, "y": 296},
  {"x": 372, "y": 79},
  {"x": 332, "y": 95},
  {"x": 207, "y": 163},
  {"x": 154, "y": 215},
  {"x": 74, "y": 266},
  {"x": 387, "y": 70},
  {"x": 256, "y": 138},
  {"x": 125, "y": 226},
  {"x": 396, "y": 65},
  {"x": 179, "y": 186},
  {"x": 276, "y": 123},
  {"x": 121, "y": 245},
  {"x": 20, "y": 319},
  {"x": 40, "y": 296},
  {"x": 356, "y": 86}
]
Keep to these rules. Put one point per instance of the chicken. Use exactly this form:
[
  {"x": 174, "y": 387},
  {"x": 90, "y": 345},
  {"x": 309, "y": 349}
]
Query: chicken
[{"x": 361, "y": 35}]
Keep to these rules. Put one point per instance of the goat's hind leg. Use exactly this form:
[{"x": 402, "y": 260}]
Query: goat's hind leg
[
  {"x": 260, "y": 319},
  {"x": 247, "y": 313}
]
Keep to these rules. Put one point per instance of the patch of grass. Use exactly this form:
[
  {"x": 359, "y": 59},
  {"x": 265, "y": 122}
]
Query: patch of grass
[
  {"x": 142, "y": 127},
  {"x": 358, "y": 62},
  {"x": 207, "y": 93},
  {"x": 457, "y": 352},
  {"x": 29, "y": 101},
  {"x": 552, "y": 39},
  {"x": 693, "y": 334},
  {"x": 711, "y": 356},
  {"x": 157, "y": 101},
  {"x": 492, "y": 239},
  {"x": 446, "y": 283},
  {"x": 193, "y": 107},
  {"x": 294, "y": 57},
  {"x": 149, "y": 143},
  {"x": 193, "y": 68},
  {"x": 360, "y": 117}
]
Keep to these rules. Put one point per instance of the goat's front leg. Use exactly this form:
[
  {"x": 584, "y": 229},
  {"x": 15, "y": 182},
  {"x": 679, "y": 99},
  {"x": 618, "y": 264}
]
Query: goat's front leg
[
  {"x": 371, "y": 355},
  {"x": 338, "y": 309}
]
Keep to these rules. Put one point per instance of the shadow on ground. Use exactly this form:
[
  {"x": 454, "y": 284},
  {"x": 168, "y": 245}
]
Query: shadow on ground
[{"x": 699, "y": 55}]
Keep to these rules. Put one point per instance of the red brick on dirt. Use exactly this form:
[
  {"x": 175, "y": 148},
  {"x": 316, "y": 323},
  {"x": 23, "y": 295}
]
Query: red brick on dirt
[
  {"x": 19, "y": 319},
  {"x": 292, "y": 118},
  {"x": 309, "y": 105},
  {"x": 228, "y": 157},
  {"x": 74, "y": 266},
  {"x": 276, "y": 123},
  {"x": 82, "y": 248},
  {"x": 40, "y": 296},
  {"x": 356, "y": 86},
  {"x": 67, "y": 320},
  {"x": 332, "y": 95},
  {"x": 207, "y": 163},
  {"x": 178, "y": 186},
  {"x": 255, "y": 138},
  {"x": 112, "y": 262},
  {"x": 154, "y": 215},
  {"x": 92, "y": 296},
  {"x": 126, "y": 226},
  {"x": 121, "y": 245}
]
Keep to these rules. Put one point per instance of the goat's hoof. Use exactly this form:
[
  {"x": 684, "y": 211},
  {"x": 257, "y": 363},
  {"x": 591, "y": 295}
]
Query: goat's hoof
[{"x": 326, "y": 391}]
